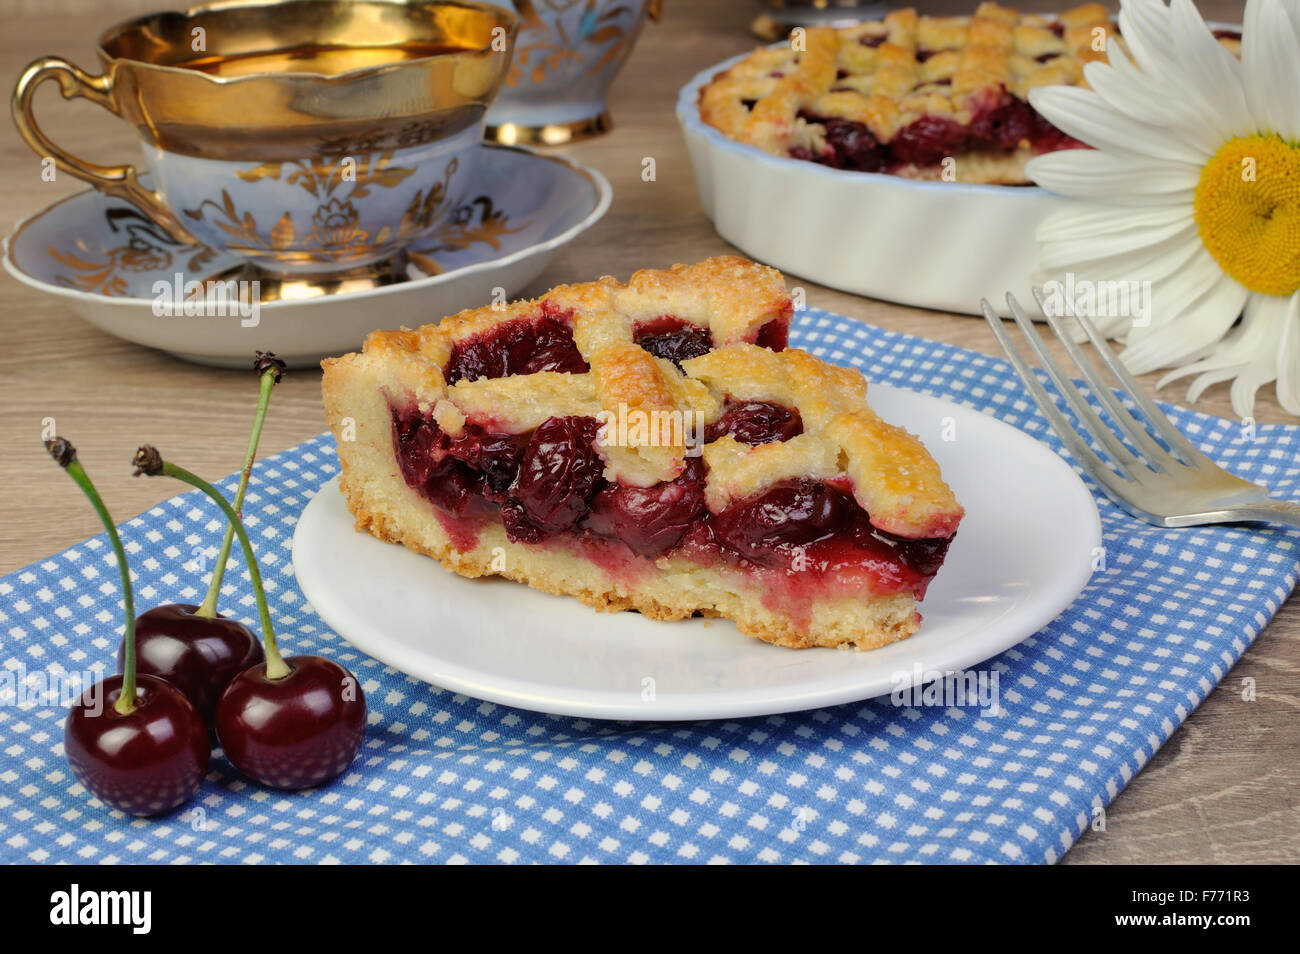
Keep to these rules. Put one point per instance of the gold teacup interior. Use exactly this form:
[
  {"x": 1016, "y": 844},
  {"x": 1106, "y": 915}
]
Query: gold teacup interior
[
  {"x": 326, "y": 37},
  {"x": 316, "y": 58}
]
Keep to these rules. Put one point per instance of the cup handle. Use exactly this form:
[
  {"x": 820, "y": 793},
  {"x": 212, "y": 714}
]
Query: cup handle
[{"x": 118, "y": 181}]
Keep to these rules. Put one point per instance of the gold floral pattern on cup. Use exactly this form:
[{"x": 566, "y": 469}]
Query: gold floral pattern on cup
[{"x": 224, "y": 89}]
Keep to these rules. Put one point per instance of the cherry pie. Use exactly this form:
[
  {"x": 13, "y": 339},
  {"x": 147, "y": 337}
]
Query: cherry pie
[
  {"x": 652, "y": 446},
  {"x": 903, "y": 94}
]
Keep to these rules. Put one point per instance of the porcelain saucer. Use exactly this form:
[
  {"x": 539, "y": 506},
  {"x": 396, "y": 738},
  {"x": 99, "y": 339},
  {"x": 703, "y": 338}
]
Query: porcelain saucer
[{"x": 111, "y": 266}]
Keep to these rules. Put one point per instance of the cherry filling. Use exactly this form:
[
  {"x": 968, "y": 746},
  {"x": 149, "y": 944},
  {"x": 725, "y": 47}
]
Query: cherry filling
[
  {"x": 809, "y": 526},
  {"x": 551, "y": 483},
  {"x": 559, "y": 473},
  {"x": 1000, "y": 126},
  {"x": 542, "y": 342},
  {"x": 461, "y": 475},
  {"x": 755, "y": 422},
  {"x": 775, "y": 334},
  {"x": 670, "y": 337},
  {"x": 650, "y": 520}
]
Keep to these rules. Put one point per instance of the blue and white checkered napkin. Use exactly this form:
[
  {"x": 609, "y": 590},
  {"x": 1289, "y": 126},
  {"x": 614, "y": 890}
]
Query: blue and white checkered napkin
[{"x": 443, "y": 777}]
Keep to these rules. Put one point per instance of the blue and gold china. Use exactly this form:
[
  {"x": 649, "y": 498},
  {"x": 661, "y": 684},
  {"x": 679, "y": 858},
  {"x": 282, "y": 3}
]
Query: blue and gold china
[
  {"x": 567, "y": 55},
  {"x": 305, "y": 137}
]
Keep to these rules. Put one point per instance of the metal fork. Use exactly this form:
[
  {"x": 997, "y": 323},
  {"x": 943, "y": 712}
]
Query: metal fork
[{"x": 1169, "y": 483}]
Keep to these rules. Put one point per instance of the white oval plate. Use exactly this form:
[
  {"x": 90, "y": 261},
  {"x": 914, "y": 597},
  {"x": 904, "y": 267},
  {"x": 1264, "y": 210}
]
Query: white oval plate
[{"x": 1024, "y": 552}]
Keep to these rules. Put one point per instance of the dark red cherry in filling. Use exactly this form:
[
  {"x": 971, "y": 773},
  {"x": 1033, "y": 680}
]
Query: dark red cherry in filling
[
  {"x": 543, "y": 342},
  {"x": 455, "y": 472},
  {"x": 926, "y": 141},
  {"x": 558, "y": 475},
  {"x": 1045, "y": 137},
  {"x": 147, "y": 762},
  {"x": 756, "y": 422},
  {"x": 775, "y": 334},
  {"x": 849, "y": 144},
  {"x": 1004, "y": 126},
  {"x": 197, "y": 655},
  {"x": 651, "y": 520},
  {"x": 419, "y": 442},
  {"x": 821, "y": 520},
  {"x": 672, "y": 338},
  {"x": 494, "y": 455},
  {"x": 791, "y": 515},
  {"x": 295, "y": 732}
]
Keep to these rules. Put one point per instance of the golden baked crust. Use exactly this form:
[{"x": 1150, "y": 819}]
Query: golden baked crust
[
  {"x": 888, "y": 74},
  {"x": 887, "y": 470}
]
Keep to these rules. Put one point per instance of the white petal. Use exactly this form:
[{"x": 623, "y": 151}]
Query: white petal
[
  {"x": 1288, "y": 359},
  {"x": 1123, "y": 86},
  {"x": 1249, "y": 350},
  {"x": 1192, "y": 327},
  {"x": 1062, "y": 254},
  {"x": 1091, "y": 174},
  {"x": 1270, "y": 52},
  {"x": 1154, "y": 264},
  {"x": 1208, "y": 380},
  {"x": 1086, "y": 117},
  {"x": 1092, "y": 219},
  {"x": 1145, "y": 26},
  {"x": 1213, "y": 75}
]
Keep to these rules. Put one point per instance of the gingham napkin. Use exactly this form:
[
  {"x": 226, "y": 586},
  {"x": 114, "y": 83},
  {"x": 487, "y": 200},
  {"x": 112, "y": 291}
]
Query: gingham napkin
[{"x": 446, "y": 778}]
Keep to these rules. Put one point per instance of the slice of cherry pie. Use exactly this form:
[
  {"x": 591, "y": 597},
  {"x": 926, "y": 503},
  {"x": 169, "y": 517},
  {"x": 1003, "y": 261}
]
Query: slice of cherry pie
[
  {"x": 903, "y": 94},
  {"x": 650, "y": 446}
]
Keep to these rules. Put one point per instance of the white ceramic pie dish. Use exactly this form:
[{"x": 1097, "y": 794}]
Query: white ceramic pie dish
[{"x": 940, "y": 245}]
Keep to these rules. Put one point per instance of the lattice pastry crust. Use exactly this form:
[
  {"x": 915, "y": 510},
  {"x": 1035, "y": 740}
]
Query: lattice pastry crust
[{"x": 889, "y": 76}]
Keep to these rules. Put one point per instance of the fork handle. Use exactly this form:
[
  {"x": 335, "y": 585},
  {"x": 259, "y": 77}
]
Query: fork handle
[{"x": 1271, "y": 511}]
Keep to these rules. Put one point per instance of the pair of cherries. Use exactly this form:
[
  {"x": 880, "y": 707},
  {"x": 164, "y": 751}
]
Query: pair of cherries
[{"x": 139, "y": 740}]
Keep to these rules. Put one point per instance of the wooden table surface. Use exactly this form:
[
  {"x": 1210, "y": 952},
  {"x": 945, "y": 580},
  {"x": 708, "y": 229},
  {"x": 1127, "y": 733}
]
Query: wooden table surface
[{"x": 1223, "y": 789}]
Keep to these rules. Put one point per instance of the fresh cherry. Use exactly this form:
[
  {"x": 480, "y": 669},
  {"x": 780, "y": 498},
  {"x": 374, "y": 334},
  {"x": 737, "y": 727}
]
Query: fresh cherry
[
  {"x": 651, "y": 520},
  {"x": 289, "y": 724},
  {"x": 134, "y": 741},
  {"x": 297, "y": 731},
  {"x": 195, "y": 648},
  {"x": 756, "y": 422},
  {"x": 559, "y": 473},
  {"x": 196, "y": 654},
  {"x": 147, "y": 761}
]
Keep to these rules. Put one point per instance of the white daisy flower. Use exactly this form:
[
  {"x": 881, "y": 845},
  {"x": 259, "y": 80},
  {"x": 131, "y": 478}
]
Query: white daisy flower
[{"x": 1193, "y": 185}]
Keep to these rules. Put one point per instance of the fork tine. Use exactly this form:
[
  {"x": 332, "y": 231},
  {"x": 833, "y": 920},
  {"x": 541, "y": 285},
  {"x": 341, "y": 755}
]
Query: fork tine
[
  {"x": 1155, "y": 417},
  {"x": 1114, "y": 483},
  {"x": 1092, "y": 424},
  {"x": 1126, "y": 422}
]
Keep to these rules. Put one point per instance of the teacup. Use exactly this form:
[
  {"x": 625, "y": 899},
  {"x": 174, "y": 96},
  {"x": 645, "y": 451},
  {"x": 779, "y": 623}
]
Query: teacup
[
  {"x": 303, "y": 136},
  {"x": 566, "y": 58}
]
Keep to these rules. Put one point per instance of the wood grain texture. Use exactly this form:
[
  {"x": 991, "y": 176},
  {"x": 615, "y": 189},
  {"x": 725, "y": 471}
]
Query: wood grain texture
[{"x": 1224, "y": 789}]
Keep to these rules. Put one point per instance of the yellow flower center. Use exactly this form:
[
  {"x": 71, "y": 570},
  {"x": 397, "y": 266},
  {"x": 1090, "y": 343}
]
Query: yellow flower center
[{"x": 1248, "y": 212}]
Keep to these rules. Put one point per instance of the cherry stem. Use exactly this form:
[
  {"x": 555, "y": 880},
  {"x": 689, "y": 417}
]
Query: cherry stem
[
  {"x": 208, "y": 609},
  {"x": 149, "y": 462},
  {"x": 66, "y": 455}
]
